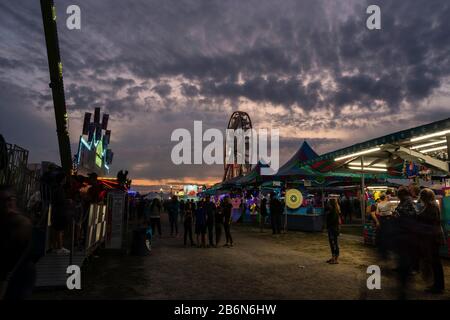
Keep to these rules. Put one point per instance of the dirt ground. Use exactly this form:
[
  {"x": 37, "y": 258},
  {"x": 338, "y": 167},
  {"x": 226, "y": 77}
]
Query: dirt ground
[{"x": 259, "y": 266}]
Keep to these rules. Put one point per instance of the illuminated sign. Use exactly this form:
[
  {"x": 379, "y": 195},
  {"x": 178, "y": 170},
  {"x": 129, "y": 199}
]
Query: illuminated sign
[
  {"x": 99, "y": 155},
  {"x": 94, "y": 154}
]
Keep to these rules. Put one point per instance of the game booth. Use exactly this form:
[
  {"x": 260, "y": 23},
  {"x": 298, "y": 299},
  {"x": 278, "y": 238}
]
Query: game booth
[
  {"x": 416, "y": 156},
  {"x": 304, "y": 210}
]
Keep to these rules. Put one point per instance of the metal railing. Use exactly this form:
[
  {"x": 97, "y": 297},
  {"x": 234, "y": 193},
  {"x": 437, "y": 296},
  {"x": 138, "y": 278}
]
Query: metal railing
[{"x": 17, "y": 174}]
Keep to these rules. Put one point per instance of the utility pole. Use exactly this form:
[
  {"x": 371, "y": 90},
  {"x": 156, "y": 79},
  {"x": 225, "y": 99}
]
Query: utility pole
[{"x": 56, "y": 83}]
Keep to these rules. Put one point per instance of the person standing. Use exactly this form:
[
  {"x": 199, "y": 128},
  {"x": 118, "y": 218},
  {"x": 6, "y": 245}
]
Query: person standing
[
  {"x": 174, "y": 208},
  {"x": 200, "y": 225},
  {"x": 181, "y": 211},
  {"x": 382, "y": 217},
  {"x": 218, "y": 224},
  {"x": 405, "y": 237},
  {"x": 155, "y": 216},
  {"x": 188, "y": 217},
  {"x": 276, "y": 210},
  {"x": 59, "y": 216},
  {"x": 432, "y": 238},
  {"x": 227, "y": 221},
  {"x": 333, "y": 215},
  {"x": 263, "y": 213},
  {"x": 210, "y": 209}
]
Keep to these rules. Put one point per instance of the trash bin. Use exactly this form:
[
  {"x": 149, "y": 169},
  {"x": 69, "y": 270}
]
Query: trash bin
[{"x": 141, "y": 242}]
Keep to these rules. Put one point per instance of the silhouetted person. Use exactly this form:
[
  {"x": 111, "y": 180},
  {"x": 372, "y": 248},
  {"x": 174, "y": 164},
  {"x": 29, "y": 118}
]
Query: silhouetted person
[
  {"x": 188, "y": 218},
  {"x": 263, "y": 213},
  {"x": 173, "y": 208},
  {"x": 276, "y": 210},
  {"x": 17, "y": 270},
  {"x": 155, "y": 216},
  {"x": 226, "y": 209},
  {"x": 333, "y": 215},
  {"x": 200, "y": 224},
  {"x": 218, "y": 224},
  {"x": 210, "y": 213},
  {"x": 404, "y": 237},
  {"x": 431, "y": 238}
]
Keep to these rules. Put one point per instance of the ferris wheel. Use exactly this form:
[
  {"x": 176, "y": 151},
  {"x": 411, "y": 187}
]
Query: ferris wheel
[{"x": 238, "y": 120}]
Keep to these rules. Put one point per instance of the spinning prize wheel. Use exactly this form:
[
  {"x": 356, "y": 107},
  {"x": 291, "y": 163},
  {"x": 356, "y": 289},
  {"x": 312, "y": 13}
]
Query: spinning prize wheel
[
  {"x": 294, "y": 198},
  {"x": 239, "y": 120}
]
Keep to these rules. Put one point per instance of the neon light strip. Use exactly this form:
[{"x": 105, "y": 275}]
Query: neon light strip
[
  {"x": 89, "y": 147},
  {"x": 377, "y": 165},
  {"x": 428, "y": 144},
  {"x": 358, "y": 153},
  {"x": 84, "y": 142},
  {"x": 434, "y": 149},
  {"x": 431, "y": 135},
  {"x": 368, "y": 169}
]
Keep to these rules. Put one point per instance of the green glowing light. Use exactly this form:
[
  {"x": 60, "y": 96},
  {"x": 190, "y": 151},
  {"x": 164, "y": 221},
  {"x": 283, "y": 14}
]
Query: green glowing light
[
  {"x": 99, "y": 155},
  {"x": 54, "y": 13}
]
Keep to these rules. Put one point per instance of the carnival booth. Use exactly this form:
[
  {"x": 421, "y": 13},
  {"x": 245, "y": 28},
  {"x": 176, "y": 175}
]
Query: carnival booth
[
  {"x": 418, "y": 155},
  {"x": 304, "y": 211}
]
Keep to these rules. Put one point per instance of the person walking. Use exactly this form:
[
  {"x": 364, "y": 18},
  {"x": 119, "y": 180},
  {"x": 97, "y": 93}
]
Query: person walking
[
  {"x": 210, "y": 209},
  {"x": 276, "y": 210},
  {"x": 188, "y": 218},
  {"x": 227, "y": 221},
  {"x": 174, "y": 208},
  {"x": 333, "y": 215},
  {"x": 432, "y": 238},
  {"x": 155, "y": 216}
]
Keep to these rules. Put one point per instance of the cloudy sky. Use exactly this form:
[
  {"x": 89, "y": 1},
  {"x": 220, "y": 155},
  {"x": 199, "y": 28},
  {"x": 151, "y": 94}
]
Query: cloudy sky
[{"x": 308, "y": 67}]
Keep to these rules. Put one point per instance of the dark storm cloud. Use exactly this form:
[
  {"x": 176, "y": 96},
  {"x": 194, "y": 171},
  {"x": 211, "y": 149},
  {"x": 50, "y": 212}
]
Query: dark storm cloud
[
  {"x": 274, "y": 90},
  {"x": 361, "y": 89},
  {"x": 162, "y": 89},
  {"x": 405, "y": 61},
  {"x": 189, "y": 90}
]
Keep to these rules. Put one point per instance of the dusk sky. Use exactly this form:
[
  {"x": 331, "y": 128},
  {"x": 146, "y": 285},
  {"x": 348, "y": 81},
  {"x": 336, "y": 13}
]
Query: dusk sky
[{"x": 308, "y": 67}]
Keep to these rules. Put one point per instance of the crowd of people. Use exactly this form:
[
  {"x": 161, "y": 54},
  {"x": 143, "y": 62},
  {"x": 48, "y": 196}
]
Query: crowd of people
[
  {"x": 205, "y": 218},
  {"x": 411, "y": 231}
]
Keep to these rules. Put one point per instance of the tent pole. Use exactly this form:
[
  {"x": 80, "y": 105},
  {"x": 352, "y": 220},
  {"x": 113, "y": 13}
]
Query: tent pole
[{"x": 285, "y": 209}]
